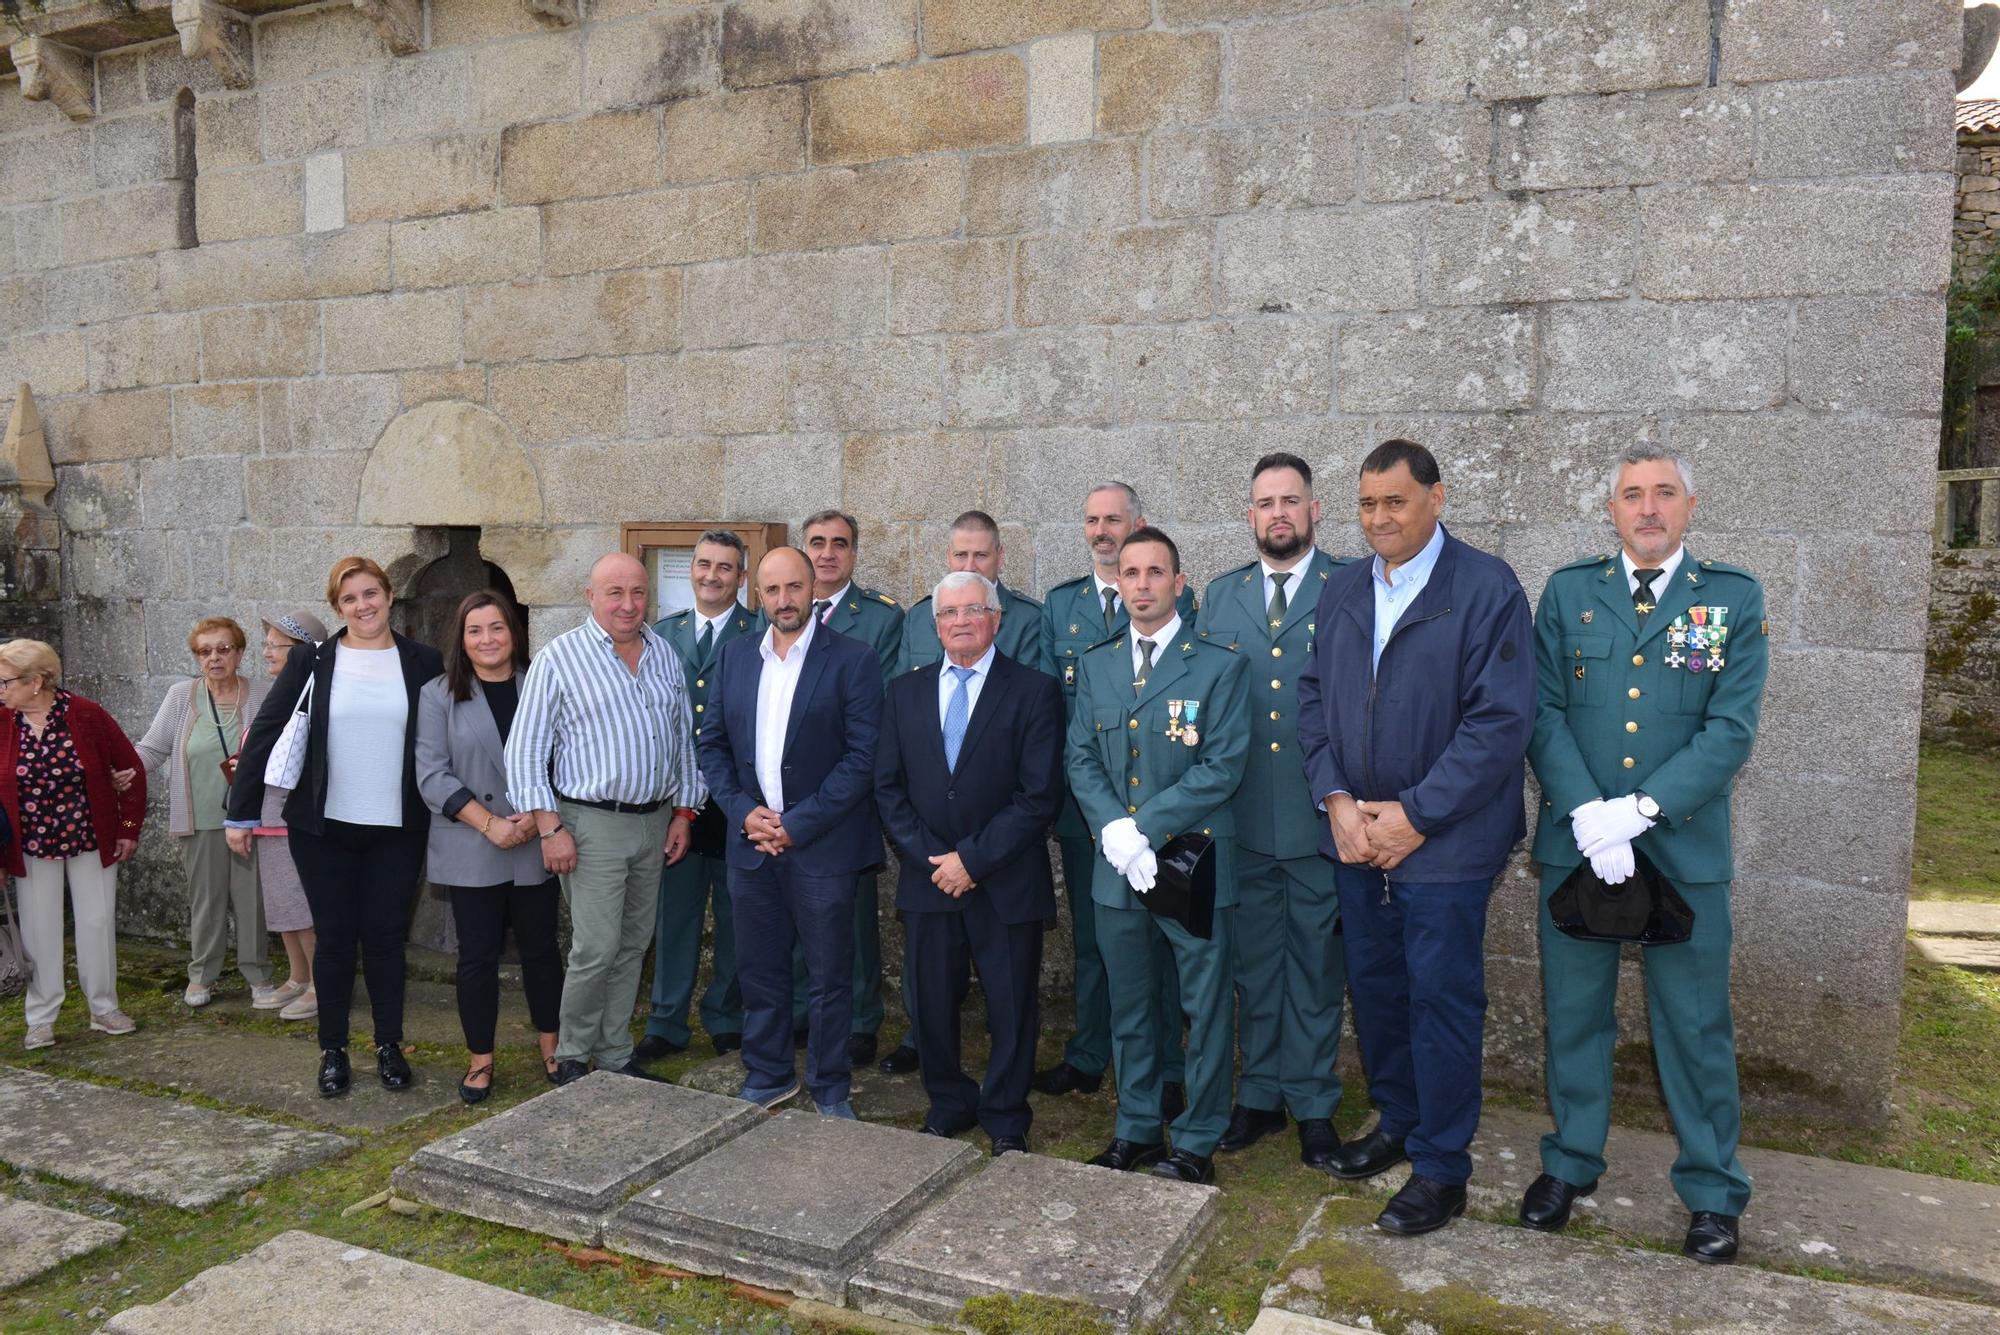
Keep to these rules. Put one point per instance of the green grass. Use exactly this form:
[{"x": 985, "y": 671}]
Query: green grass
[{"x": 1958, "y": 825}]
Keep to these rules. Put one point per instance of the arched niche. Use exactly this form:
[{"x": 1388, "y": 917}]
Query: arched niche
[{"x": 449, "y": 464}]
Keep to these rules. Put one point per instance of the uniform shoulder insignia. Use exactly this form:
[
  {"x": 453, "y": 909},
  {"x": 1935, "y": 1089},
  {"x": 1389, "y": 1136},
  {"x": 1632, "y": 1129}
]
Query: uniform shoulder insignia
[
  {"x": 1115, "y": 642},
  {"x": 886, "y": 598},
  {"x": 1584, "y": 563},
  {"x": 1035, "y": 603},
  {"x": 1725, "y": 568},
  {"x": 1068, "y": 584}
]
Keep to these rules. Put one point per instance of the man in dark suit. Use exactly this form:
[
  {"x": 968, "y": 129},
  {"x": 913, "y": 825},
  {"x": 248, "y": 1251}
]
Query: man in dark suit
[
  {"x": 968, "y": 776},
  {"x": 788, "y": 747}
]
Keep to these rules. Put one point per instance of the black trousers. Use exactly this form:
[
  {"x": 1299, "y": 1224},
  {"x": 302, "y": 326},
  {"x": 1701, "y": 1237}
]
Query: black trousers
[
  {"x": 358, "y": 880},
  {"x": 484, "y": 913},
  {"x": 940, "y": 952}
]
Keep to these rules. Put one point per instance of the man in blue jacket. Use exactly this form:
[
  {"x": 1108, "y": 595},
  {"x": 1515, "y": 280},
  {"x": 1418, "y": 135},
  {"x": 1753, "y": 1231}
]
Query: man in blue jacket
[{"x": 1415, "y": 711}]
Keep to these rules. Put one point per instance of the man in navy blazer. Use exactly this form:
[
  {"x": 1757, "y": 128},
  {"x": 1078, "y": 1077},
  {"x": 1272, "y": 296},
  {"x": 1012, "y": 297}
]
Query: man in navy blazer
[
  {"x": 968, "y": 777},
  {"x": 788, "y": 749},
  {"x": 1415, "y": 709}
]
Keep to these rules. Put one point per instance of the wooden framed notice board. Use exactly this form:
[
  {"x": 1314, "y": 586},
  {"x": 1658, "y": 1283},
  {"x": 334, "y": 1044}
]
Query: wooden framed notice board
[{"x": 667, "y": 552}]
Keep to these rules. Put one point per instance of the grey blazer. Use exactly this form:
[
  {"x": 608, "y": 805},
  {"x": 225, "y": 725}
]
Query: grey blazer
[{"x": 458, "y": 747}]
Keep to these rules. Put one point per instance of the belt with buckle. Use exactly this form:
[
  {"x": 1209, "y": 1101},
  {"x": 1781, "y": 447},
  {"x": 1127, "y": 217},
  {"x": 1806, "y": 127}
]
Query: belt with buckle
[{"x": 621, "y": 808}]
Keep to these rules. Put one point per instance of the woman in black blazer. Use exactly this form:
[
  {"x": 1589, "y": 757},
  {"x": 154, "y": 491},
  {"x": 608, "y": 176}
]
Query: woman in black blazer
[{"x": 357, "y": 820}]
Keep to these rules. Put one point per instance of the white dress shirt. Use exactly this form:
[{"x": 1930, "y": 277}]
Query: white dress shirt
[
  {"x": 1161, "y": 638},
  {"x": 1298, "y": 568},
  {"x": 1117, "y": 603},
  {"x": 948, "y": 684},
  {"x": 832, "y": 601},
  {"x": 777, "y": 683},
  {"x": 714, "y": 624},
  {"x": 367, "y": 712},
  {"x": 1662, "y": 581}
]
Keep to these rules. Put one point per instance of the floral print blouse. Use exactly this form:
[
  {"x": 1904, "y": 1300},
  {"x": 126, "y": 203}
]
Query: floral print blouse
[{"x": 55, "y": 809}]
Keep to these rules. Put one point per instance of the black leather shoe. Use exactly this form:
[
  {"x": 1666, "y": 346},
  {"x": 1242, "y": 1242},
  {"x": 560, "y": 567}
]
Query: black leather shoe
[
  {"x": 1422, "y": 1206},
  {"x": 1066, "y": 1079},
  {"x": 902, "y": 1060},
  {"x": 472, "y": 1093},
  {"x": 1318, "y": 1143},
  {"x": 1185, "y": 1167},
  {"x": 392, "y": 1066},
  {"x": 638, "y": 1072},
  {"x": 1711, "y": 1238},
  {"x": 1173, "y": 1100},
  {"x": 726, "y": 1043},
  {"x": 1247, "y": 1126},
  {"x": 1129, "y": 1156},
  {"x": 860, "y": 1049},
  {"x": 1009, "y": 1145},
  {"x": 569, "y": 1071},
  {"x": 334, "y": 1075},
  {"x": 1367, "y": 1156},
  {"x": 1547, "y": 1201},
  {"x": 653, "y": 1047}
]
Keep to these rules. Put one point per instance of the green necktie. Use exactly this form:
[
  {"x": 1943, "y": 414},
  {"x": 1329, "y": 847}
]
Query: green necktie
[
  {"x": 1110, "y": 601},
  {"x": 1278, "y": 603},
  {"x": 1145, "y": 666}
]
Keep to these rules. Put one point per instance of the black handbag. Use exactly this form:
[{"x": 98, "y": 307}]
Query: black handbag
[
  {"x": 1644, "y": 908},
  {"x": 1184, "y": 887}
]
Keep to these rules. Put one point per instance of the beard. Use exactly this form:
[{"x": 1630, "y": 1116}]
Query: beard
[{"x": 1284, "y": 549}]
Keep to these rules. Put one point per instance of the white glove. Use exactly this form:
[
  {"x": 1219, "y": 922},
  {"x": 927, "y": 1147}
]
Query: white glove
[
  {"x": 1614, "y": 865},
  {"x": 1578, "y": 821},
  {"x": 1143, "y": 871},
  {"x": 1616, "y": 822},
  {"x": 1120, "y": 842}
]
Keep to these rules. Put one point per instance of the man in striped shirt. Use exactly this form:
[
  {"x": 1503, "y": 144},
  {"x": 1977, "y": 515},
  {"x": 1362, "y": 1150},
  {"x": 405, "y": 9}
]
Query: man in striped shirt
[{"x": 602, "y": 756}]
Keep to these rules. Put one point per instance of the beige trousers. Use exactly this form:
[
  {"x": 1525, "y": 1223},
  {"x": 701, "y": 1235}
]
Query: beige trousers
[
  {"x": 219, "y": 881},
  {"x": 93, "y": 893}
]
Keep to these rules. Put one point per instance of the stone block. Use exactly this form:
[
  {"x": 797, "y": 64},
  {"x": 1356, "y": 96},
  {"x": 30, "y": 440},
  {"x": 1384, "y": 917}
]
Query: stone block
[
  {"x": 253, "y": 341},
  {"x": 1176, "y": 13},
  {"x": 548, "y": 401},
  {"x": 467, "y": 383},
  {"x": 284, "y": 268},
  {"x": 786, "y": 298},
  {"x": 393, "y": 332},
  {"x": 485, "y": 247},
  {"x": 952, "y": 26},
  {"x": 1882, "y": 353},
  {"x": 678, "y": 478},
  {"x": 338, "y": 413},
  {"x": 291, "y": 48},
  {"x": 135, "y": 221},
  {"x": 43, "y": 166},
  {"x": 948, "y": 286},
  {"x": 1251, "y": 368},
  {"x": 1028, "y": 379},
  {"x": 1211, "y": 484},
  {"x": 611, "y": 154},
  {"x": 848, "y": 206},
  {"x": 1801, "y": 39},
  {"x": 449, "y": 463},
  {"x": 1061, "y": 76},
  {"x": 664, "y": 227},
  {"x": 1677, "y": 355},
  {"x": 20, "y": 305},
  {"x": 1064, "y": 187},
  {"x": 655, "y": 59},
  {"x": 761, "y": 475},
  {"x": 1477, "y": 49},
  {"x": 421, "y": 97},
  {"x": 36, "y": 1238},
  {"x": 1320, "y": 62},
  {"x": 447, "y": 175},
  {"x": 37, "y": 237},
  {"x": 133, "y": 425},
  {"x": 218, "y": 419},
  {"x": 1147, "y": 274},
  {"x": 751, "y": 133},
  {"x": 563, "y": 1161},
  {"x": 945, "y": 105},
  {"x": 912, "y": 475},
  {"x": 461, "y": 22},
  {"x": 550, "y": 566},
  {"x": 191, "y": 493},
  {"x": 1043, "y": 471},
  {"x": 320, "y": 486},
  {"x": 1848, "y": 580},
  {"x": 533, "y": 79},
  {"x": 97, "y": 497},
  {"x": 1752, "y": 468},
  {"x": 1561, "y": 143},
  {"x": 250, "y": 201},
  {"x": 54, "y": 362},
  {"x": 877, "y": 385},
  {"x": 117, "y": 566},
  {"x": 132, "y": 150},
  {"x": 326, "y": 192},
  {"x": 1029, "y": 1224},
  {"x": 1568, "y": 247},
  {"x": 1892, "y": 123},
  {"x": 787, "y": 41},
  {"x": 1796, "y": 239},
  {"x": 729, "y": 393},
  {"x": 1315, "y": 261},
  {"x": 635, "y": 310},
  {"x": 1147, "y": 80},
  {"x": 1430, "y": 152},
  {"x": 798, "y": 1203},
  {"x": 1438, "y": 361},
  {"x": 1874, "y": 852},
  {"x": 156, "y": 1149},
  {"x": 1285, "y": 164},
  {"x": 314, "y": 117},
  {"x": 146, "y": 350}
]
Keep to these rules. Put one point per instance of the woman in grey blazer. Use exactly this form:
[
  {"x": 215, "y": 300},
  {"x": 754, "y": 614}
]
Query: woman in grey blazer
[{"x": 481, "y": 850}]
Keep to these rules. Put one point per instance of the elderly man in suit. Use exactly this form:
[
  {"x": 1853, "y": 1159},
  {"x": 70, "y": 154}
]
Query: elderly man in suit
[
  {"x": 968, "y": 777},
  {"x": 788, "y": 747}
]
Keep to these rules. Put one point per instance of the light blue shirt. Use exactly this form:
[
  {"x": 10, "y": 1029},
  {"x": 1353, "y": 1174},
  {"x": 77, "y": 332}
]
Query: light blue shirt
[
  {"x": 948, "y": 683},
  {"x": 1394, "y": 593}
]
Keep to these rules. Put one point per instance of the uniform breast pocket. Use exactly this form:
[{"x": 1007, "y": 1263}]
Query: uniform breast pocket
[
  {"x": 1587, "y": 659},
  {"x": 1687, "y": 692}
]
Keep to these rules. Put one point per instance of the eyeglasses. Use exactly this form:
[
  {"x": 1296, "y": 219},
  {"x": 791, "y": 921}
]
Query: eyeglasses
[
  {"x": 5, "y": 682},
  {"x": 962, "y": 613},
  {"x": 216, "y": 651}
]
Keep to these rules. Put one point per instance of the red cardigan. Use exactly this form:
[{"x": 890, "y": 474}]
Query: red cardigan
[{"x": 102, "y": 746}]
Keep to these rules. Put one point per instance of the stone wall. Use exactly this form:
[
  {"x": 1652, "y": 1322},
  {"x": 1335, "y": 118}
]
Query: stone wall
[
  {"x": 1975, "y": 232},
  {"x": 1962, "y": 679},
  {"x": 682, "y": 261}
]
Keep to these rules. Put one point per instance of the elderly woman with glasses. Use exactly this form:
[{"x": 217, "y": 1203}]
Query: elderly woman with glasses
[
  {"x": 286, "y": 911},
  {"x": 196, "y": 734}
]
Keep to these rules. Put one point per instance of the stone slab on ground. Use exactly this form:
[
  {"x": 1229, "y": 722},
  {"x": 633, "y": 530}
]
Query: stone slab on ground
[
  {"x": 1475, "y": 1274},
  {"x": 1277, "y": 1321},
  {"x": 877, "y": 1096},
  {"x": 798, "y": 1203},
  {"x": 563, "y": 1161},
  {"x": 1947, "y": 917},
  {"x": 430, "y": 1014},
  {"x": 34, "y": 1238},
  {"x": 1962, "y": 952},
  {"x": 303, "y": 1284},
  {"x": 1029, "y": 1224},
  {"x": 274, "y": 1071},
  {"x": 153, "y": 1148}
]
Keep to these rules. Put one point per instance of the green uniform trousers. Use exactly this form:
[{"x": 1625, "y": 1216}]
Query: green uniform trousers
[
  {"x": 1694, "y": 1045},
  {"x": 687, "y": 888},
  {"x": 219, "y": 881},
  {"x": 613, "y": 897},
  {"x": 1291, "y": 984},
  {"x": 1089, "y": 1048},
  {"x": 1134, "y": 965}
]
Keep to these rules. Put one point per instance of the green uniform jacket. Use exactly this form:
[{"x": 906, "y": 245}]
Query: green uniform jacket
[
  {"x": 1122, "y": 761},
  {"x": 1275, "y": 815},
  {"x": 1619, "y": 710},
  {"x": 679, "y": 630},
  {"x": 1022, "y": 636},
  {"x": 875, "y": 620}
]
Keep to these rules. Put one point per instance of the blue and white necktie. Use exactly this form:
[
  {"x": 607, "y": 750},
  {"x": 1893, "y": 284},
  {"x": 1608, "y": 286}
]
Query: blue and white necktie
[{"x": 955, "y": 715}]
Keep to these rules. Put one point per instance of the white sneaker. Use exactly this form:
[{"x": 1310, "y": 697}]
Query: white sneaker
[
  {"x": 196, "y": 995},
  {"x": 41, "y": 1036},
  {"x": 304, "y": 1007},
  {"x": 271, "y": 997},
  {"x": 113, "y": 1022}
]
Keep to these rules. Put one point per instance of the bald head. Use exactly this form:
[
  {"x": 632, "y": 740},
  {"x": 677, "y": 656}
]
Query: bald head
[
  {"x": 784, "y": 585},
  {"x": 616, "y": 593}
]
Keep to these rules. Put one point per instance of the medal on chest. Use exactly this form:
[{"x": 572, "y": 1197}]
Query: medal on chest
[{"x": 1190, "y": 734}]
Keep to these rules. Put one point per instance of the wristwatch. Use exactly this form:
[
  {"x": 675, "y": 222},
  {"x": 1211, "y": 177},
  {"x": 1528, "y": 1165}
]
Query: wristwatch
[{"x": 1648, "y": 807}]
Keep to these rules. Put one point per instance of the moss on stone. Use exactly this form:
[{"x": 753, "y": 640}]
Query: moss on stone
[{"x": 1033, "y": 1314}]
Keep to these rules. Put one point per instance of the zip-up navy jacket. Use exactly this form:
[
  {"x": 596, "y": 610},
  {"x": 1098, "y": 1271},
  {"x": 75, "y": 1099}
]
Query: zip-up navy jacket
[{"x": 1442, "y": 725}]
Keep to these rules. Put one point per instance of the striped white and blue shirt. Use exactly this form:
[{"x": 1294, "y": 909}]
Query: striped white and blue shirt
[{"x": 588, "y": 728}]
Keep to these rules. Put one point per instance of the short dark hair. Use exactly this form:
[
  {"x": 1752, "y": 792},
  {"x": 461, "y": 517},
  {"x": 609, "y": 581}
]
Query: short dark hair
[
  {"x": 724, "y": 537},
  {"x": 827, "y": 517},
  {"x": 1151, "y": 534},
  {"x": 1389, "y": 453},
  {"x": 976, "y": 521},
  {"x": 458, "y": 671},
  {"x": 1283, "y": 460}
]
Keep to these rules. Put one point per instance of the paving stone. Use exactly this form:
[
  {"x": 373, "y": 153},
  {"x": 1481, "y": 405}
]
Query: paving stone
[
  {"x": 1981, "y": 955},
  {"x": 799, "y": 1203},
  {"x": 304, "y": 1284},
  {"x": 272, "y": 1071},
  {"x": 1947, "y": 918},
  {"x": 876, "y": 1096},
  {"x": 152, "y": 1148},
  {"x": 562, "y": 1162},
  {"x": 34, "y": 1238},
  {"x": 1035, "y": 1225},
  {"x": 1277, "y": 1321}
]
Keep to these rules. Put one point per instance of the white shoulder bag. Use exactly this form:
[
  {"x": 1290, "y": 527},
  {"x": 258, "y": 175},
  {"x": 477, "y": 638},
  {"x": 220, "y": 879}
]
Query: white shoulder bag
[{"x": 288, "y": 754}]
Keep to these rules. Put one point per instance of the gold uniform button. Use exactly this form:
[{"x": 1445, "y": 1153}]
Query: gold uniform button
[
  {"x": 1206, "y": 831},
  {"x": 1629, "y": 762},
  {"x": 1631, "y": 726},
  {"x": 1133, "y": 723},
  {"x": 1131, "y": 811},
  {"x": 1277, "y": 685},
  {"x": 1638, "y": 660},
  {"x": 699, "y": 682},
  {"x": 1276, "y": 652},
  {"x": 1274, "y": 716},
  {"x": 701, "y": 709},
  {"x": 1579, "y": 653},
  {"x": 1632, "y": 694},
  {"x": 1135, "y": 753},
  {"x": 1134, "y": 781}
]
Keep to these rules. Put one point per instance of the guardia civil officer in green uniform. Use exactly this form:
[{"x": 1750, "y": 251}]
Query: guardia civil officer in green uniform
[
  {"x": 1156, "y": 749},
  {"x": 1290, "y": 974},
  {"x": 699, "y": 880},
  {"x": 1650, "y": 670},
  {"x": 1080, "y": 613},
  {"x": 832, "y": 540}
]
